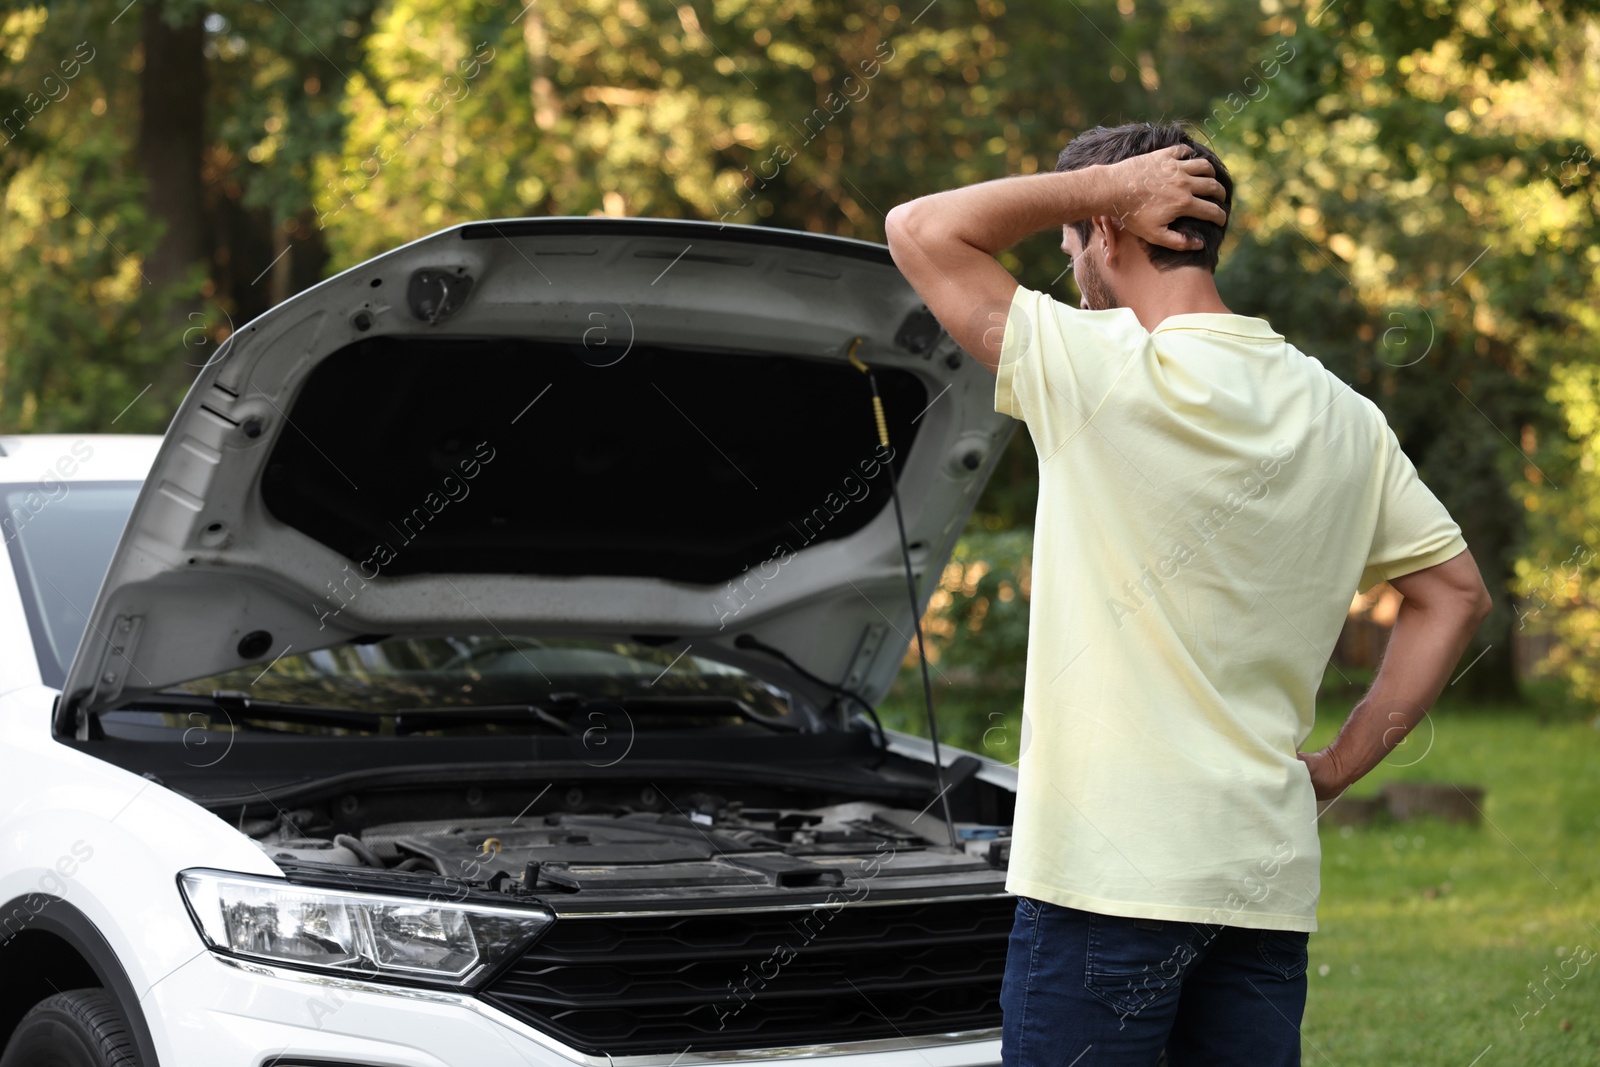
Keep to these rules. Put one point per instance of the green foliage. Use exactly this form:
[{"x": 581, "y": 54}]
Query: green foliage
[
  {"x": 82, "y": 333},
  {"x": 979, "y": 614},
  {"x": 975, "y": 629},
  {"x": 279, "y": 76},
  {"x": 1421, "y": 172},
  {"x": 1422, "y": 175}
]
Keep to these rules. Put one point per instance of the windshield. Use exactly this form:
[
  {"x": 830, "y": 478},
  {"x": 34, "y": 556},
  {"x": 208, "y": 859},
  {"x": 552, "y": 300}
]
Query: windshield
[
  {"x": 60, "y": 544},
  {"x": 61, "y": 547},
  {"x": 474, "y": 671}
]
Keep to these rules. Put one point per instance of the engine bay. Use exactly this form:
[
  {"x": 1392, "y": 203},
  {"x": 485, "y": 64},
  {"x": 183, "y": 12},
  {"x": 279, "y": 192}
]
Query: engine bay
[{"x": 701, "y": 843}]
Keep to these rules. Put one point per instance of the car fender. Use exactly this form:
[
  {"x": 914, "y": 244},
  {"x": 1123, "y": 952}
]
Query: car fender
[
  {"x": 105, "y": 842},
  {"x": 990, "y": 770}
]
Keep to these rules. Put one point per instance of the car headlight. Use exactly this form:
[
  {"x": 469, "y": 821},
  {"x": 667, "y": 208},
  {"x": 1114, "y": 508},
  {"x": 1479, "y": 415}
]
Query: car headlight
[{"x": 365, "y": 935}]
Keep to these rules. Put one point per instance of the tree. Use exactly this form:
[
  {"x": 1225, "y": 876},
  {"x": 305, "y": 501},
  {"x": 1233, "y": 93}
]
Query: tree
[
  {"x": 142, "y": 211},
  {"x": 1409, "y": 153}
]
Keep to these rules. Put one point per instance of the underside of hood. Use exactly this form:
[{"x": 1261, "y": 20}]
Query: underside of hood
[{"x": 598, "y": 426}]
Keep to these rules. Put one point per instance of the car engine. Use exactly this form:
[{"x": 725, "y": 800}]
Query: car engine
[{"x": 729, "y": 847}]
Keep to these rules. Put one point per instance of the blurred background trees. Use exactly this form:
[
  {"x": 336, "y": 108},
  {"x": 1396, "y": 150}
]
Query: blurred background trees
[{"x": 1416, "y": 205}]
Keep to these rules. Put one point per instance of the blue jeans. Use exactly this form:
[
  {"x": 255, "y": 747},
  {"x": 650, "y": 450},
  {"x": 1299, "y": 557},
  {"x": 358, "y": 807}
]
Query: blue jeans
[{"x": 1088, "y": 990}]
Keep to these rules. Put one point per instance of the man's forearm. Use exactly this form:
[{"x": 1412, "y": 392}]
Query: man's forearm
[
  {"x": 992, "y": 216},
  {"x": 1424, "y": 647},
  {"x": 945, "y": 243}
]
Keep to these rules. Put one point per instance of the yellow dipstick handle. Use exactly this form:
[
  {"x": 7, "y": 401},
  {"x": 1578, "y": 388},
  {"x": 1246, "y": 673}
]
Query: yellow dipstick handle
[
  {"x": 877, "y": 401},
  {"x": 855, "y": 343}
]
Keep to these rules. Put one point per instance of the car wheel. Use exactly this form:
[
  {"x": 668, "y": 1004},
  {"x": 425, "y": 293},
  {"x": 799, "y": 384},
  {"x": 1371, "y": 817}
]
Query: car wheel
[{"x": 78, "y": 1028}]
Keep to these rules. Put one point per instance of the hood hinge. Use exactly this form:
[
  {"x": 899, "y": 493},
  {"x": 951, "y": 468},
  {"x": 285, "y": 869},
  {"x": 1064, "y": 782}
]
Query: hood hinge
[{"x": 111, "y": 674}]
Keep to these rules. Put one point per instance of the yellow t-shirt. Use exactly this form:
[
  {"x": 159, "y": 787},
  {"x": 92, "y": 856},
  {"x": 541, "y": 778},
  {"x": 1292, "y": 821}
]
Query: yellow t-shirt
[{"x": 1210, "y": 499}]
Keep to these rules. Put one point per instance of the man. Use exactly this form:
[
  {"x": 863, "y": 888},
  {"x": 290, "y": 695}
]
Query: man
[{"x": 1209, "y": 500}]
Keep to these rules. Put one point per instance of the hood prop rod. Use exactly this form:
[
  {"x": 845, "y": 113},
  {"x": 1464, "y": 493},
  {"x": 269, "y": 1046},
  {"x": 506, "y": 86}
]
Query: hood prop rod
[{"x": 911, "y": 587}]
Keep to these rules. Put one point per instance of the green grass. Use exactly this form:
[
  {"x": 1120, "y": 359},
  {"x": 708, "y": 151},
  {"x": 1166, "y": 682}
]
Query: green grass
[{"x": 1431, "y": 933}]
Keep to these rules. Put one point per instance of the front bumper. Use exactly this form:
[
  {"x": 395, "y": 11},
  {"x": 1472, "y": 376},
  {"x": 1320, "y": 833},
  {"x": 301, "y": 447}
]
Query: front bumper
[{"x": 219, "y": 1012}]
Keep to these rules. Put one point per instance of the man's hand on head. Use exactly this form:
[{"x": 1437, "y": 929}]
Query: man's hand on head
[
  {"x": 945, "y": 243},
  {"x": 1148, "y": 193}
]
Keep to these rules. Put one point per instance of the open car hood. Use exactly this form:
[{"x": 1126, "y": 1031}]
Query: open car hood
[{"x": 575, "y": 425}]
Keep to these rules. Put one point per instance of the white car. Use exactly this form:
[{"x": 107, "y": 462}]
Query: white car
[{"x": 480, "y": 670}]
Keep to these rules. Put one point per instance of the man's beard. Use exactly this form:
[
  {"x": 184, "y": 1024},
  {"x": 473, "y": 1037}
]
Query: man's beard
[{"x": 1097, "y": 295}]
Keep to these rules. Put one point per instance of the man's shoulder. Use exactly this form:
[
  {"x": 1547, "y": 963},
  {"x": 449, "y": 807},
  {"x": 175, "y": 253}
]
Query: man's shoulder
[
  {"x": 1035, "y": 315},
  {"x": 1117, "y": 316},
  {"x": 1344, "y": 398}
]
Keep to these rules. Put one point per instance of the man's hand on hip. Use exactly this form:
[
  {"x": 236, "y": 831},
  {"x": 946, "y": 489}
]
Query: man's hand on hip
[
  {"x": 1441, "y": 607},
  {"x": 1326, "y": 778}
]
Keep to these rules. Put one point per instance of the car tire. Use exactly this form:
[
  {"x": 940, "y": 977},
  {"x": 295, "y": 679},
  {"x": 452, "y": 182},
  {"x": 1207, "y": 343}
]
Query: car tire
[{"x": 78, "y": 1028}]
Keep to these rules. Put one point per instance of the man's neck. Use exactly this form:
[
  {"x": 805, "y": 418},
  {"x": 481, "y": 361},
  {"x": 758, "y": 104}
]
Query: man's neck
[{"x": 1186, "y": 290}]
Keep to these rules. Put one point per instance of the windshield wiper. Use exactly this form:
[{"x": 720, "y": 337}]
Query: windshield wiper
[
  {"x": 687, "y": 704},
  {"x": 414, "y": 720},
  {"x": 240, "y": 708},
  {"x": 247, "y": 712},
  {"x": 237, "y": 707}
]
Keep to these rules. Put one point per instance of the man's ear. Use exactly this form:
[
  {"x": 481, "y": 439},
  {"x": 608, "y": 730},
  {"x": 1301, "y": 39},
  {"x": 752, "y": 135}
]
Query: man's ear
[{"x": 1112, "y": 235}]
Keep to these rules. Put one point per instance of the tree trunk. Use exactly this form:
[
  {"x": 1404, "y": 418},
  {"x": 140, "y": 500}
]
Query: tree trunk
[
  {"x": 171, "y": 139},
  {"x": 280, "y": 280},
  {"x": 171, "y": 143}
]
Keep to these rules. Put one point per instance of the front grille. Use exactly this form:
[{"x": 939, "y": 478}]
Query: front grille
[{"x": 763, "y": 979}]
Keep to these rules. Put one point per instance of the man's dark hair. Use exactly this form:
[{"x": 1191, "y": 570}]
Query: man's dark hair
[{"x": 1114, "y": 144}]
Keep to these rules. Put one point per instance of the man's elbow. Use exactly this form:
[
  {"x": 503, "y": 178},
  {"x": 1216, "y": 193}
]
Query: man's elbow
[
  {"x": 907, "y": 222},
  {"x": 1454, "y": 589},
  {"x": 1482, "y": 603},
  {"x": 1472, "y": 607},
  {"x": 897, "y": 223},
  {"x": 1482, "y": 606}
]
